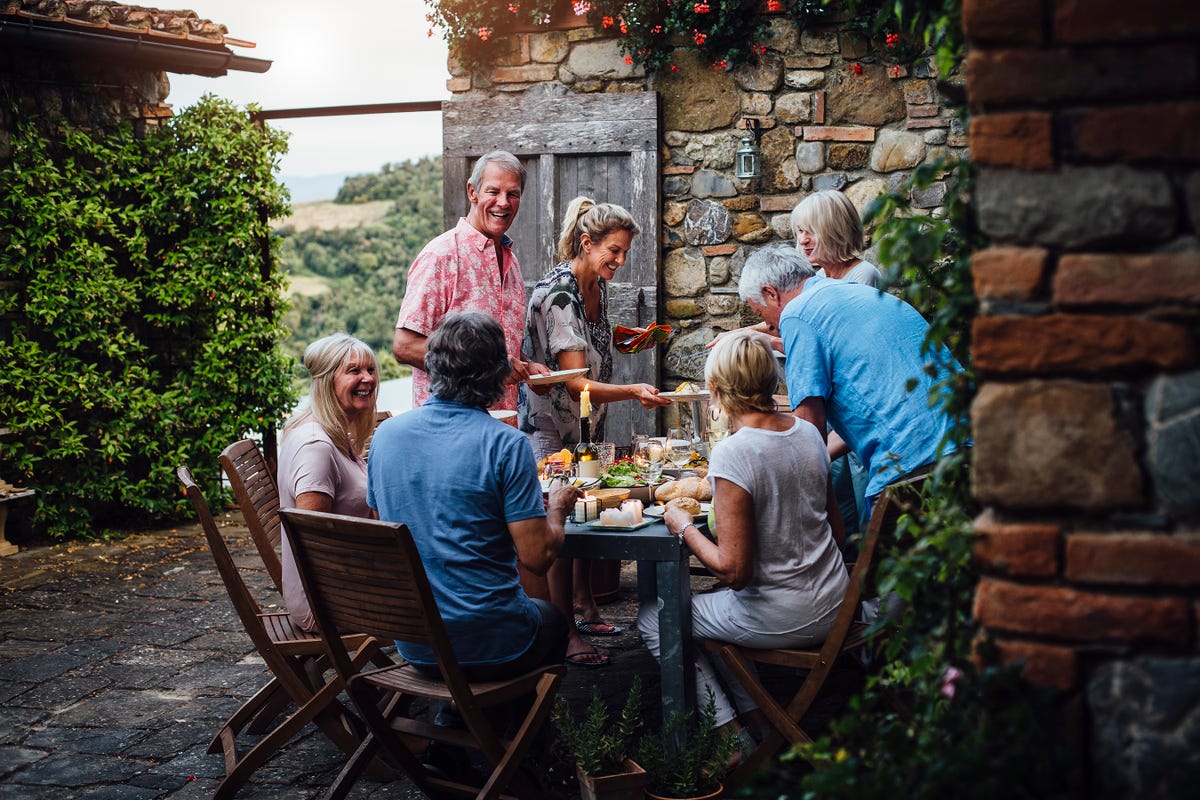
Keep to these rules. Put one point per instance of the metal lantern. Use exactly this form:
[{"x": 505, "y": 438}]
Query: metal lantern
[{"x": 748, "y": 159}]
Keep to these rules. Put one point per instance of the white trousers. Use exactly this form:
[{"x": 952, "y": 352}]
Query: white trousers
[{"x": 713, "y": 617}]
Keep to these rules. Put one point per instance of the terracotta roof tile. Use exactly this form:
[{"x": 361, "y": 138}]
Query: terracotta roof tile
[{"x": 184, "y": 25}]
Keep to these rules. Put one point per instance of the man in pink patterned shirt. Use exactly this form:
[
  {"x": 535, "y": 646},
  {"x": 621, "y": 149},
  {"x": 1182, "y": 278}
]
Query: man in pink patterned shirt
[{"x": 471, "y": 268}]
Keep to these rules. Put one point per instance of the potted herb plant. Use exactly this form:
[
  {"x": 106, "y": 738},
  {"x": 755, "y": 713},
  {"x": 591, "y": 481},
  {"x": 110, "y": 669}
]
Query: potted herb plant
[
  {"x": 601, "y": 750},
  {"x": 695, "y": 767}
]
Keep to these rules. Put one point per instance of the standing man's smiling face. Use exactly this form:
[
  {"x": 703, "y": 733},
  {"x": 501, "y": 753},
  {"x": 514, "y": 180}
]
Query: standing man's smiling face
[{"x": 495, "y": 201}]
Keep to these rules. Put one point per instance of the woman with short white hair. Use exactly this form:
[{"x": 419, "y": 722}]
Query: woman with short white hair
[{"x": 830, "y": 236}]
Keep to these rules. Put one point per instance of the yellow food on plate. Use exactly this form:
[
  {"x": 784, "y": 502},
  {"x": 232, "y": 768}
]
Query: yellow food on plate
[
  {"x": 689, "y": 504},
  {"x": 685, "y": 387}
]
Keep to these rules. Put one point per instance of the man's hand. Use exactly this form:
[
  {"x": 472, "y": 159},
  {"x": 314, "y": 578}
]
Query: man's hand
[
  {"x": 763, "y": 327},
  {"x": 523, "y": 370},
  {"x": 648, "y": 395},
  {"x": 562, "y": 502}
]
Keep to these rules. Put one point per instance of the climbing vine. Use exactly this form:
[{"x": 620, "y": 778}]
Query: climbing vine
[{"x": 141, "y": 327}]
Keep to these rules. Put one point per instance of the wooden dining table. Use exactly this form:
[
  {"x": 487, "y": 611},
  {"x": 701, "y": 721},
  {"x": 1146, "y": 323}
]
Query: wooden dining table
[{"x": 663, "y": 578}]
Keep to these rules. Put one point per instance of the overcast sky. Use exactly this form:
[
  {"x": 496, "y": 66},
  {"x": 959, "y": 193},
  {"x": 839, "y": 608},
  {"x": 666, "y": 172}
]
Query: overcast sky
[{"x": 327, "y": 54}]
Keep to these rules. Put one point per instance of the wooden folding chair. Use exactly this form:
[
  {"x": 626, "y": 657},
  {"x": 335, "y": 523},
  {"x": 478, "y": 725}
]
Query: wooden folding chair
[
  {"x": 297, "y": 663},
  {"x": 848, "y": 635},
  {"x": 257, "y": 496},
  {"x": 366, "y": 575}
]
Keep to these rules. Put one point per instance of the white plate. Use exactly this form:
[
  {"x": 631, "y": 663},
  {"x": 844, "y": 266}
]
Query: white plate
[
  {"x": 679, "y": 397},
  {"x": 658, "y": 511},
  {"x": 558, "y": 376},
  {"x": 596, "y": 525},
  {"x": 581, "y": 483}
]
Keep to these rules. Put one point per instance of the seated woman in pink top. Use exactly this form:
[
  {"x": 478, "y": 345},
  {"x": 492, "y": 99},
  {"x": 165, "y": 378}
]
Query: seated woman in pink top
[{"x": 322, "y": 466}]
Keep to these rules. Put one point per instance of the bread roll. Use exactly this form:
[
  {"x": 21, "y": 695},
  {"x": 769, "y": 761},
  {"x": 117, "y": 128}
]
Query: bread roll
[
  {"x": 695, "y": 488},
  {"x": 688, "y": 504}
]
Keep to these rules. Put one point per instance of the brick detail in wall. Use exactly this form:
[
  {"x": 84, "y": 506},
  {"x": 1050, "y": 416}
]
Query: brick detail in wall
[
  {"x": 1012, "y": 274},
  {"x": 528, "y": 73},
  {"x": 1138, "y": 133},
  {"x": 835, "y": 133},
  {"x": 1082, "y": 616},
  {"x": 1135, "y": 559},
  {"x": 998, "y": 78},
  {"x": 1019, "y": 139},
  {"x": 1009, "y": 22},
  {"x": 1016, "y": 549},
  {"x": 1043, "y": 664},
  {"x": 1080, "y": 343},
  {"x": 1079, "y": 21},
  {"x": 1128, "y": 280}
]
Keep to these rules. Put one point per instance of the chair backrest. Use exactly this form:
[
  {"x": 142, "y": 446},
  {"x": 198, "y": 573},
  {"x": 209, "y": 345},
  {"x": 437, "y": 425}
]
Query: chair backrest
[
  {"x": 244, "y": 604},
  {"x": 257, "y": 496},
  {"x": 367, "y": 576}
]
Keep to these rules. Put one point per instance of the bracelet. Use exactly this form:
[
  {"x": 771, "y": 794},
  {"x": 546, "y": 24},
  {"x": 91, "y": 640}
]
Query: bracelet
[{"x": 679, "y": 533}]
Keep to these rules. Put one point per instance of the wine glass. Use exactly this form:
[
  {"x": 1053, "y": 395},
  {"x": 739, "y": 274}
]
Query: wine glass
[
  {"x": 679, "y": 447},
  {"x": 649, "y": 457},
  {"x": 718, "y": 426}
]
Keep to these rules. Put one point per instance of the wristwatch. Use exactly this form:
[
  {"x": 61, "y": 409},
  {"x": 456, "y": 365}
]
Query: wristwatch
[{"x": 679, "y": 533}]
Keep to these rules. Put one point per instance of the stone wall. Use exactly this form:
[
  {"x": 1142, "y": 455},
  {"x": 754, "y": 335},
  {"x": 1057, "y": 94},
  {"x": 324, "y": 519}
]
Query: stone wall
[
  {"x": 1087, "y": 424},
  {"x": 825, "y": 125}
]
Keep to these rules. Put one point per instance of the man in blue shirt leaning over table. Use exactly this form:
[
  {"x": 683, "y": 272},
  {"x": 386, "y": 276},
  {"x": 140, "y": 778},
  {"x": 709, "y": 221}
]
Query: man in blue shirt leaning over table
[
  {"x": 852, "y": 352},
  {"x": 466, "y": 486}
]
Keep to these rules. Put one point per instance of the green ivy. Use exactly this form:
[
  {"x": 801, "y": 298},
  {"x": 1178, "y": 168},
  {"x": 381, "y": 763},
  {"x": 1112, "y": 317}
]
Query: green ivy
[{"x": 141, "y": 326}]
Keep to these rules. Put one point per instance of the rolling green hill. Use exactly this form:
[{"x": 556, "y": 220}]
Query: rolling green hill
[{"x": 349, "y": 258}]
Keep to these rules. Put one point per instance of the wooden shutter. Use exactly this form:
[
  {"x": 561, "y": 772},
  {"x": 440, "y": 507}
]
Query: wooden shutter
[{"x": 601, "y": 145}]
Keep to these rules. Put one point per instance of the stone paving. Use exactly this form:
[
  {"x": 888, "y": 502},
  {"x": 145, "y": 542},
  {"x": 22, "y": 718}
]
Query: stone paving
[{"x": 119, "y": 660}]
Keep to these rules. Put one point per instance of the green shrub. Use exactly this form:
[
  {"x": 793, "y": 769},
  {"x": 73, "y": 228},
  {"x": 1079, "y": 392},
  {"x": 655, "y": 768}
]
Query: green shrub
[{"x": 141, "y": 310}]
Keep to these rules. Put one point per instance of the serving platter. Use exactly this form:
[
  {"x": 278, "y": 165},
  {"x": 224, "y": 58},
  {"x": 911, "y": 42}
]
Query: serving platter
[
  {"x": 558, "y": 376},
  {"x": 658, "y": 511},
  {"x": 596, "y": 525},
  {"x": 679, "y": 397}
]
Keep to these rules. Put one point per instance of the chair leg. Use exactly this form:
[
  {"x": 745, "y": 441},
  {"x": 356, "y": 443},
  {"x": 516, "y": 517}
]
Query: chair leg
[{"x": 506, "y": 768}]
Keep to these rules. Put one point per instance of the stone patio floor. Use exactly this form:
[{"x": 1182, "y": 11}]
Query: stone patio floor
[{"x": 119, "y": 660}]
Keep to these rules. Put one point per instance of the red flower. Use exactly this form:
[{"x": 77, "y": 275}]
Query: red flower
[
  {"x": 699, "y": 37},
  {"x": 674, "y": 68},
  {"x": 721, "y": 66},
  {"x": 624, "y": 27},
  {"x": 892, "y": 39},
  {"x": 701, "y": 8},
  {"x": 485, "y": 33},
  {"x": 607, "y": 22},
  {"x": 581, "y": 7},
  {"x": 513, "y": 8},
  {"x": 774, "y": 5},
  {"x": 628, "y": 59},
  {"x": 857, "y": 68},
  {"x": 430, "y": 32},
  {"x": 656, "y": 30}
]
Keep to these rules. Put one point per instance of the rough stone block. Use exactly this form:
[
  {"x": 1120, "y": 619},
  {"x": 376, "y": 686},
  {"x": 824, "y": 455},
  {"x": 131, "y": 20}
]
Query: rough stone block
[
  {"x": 1043, "y": 664},
  {"x": 601, "y": 59},
  {"x": 804, "y": 78},
  {"x": 1140, "y": 559},
  {"x": 998, "y": 78},
  {"x": 924, "y": 110},
  {"x": 930, "y": 196},
  {"x": 706, "y": 183},
  {"x": 684, "y": 309},
  {"x": 1082, "y": 343},
  {"x": 743, "y": 202},
  {"x": 871, "y": 98},
  {"x": 698, "y": 98},
  {"x": 807, "y": 62},
  {"x": 1080, "y": 616},
  {"x": 919, "y": 91},
  {"x": 1011, "y": 274},
  {"x": 896, "y": 150},
  {"x": 810, "y": 156},
  {"x": 1086, "y": 21},
  {"x": 1137, "y": 133},
  {"x": 677, "y": 185},
  {"x": 756, "y": 104},
  {"x": 780, "y": 202},
  {"x": 1173, "y": 440},
  {"x": 459, "y": 84},
  {"x": 919, "y": 123},
  {"x": 549, "y": 48},
  {"x": 848, "y": 156},
  {"x": 529, "y": 73},
  {"x": 1076, "y": 208},
  {"x": 862, "y": 192},
  {"x": 684, "y": 273},
  {"x": 1013, "y": 23},
  {"x": 1016, "y": 548},
  {"x": 763, "y": 75},
  {"x": 819, "y": 40},
  {"x": 1018, "y": 139},
  {"x": 1143, "y": 729},
  {"x": 1052, "y": 444},
  {"x": 794, "y": 107},
  {"x": 1128, "y": 280}
]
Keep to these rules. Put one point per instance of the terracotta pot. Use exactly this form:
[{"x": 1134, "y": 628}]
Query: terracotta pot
[
  {"x": 713, "y": 795},
  {"x": 606, "y": 580},
  {"x": 628, "y": 785}
]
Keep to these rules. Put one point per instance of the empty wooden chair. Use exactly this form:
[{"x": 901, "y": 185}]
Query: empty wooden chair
[
  {"x": 296, "y": 660},
  {"x": 848, "y": 635},
  {"x": 366, "y": 575},
  {"x": 257, "y": 496}
]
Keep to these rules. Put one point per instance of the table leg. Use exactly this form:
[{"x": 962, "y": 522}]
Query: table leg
[{"x": 676, "y": 659}]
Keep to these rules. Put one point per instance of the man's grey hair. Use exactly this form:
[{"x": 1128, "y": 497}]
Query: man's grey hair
[
  {"x": 777, "y": 265},
  {"x": 502, "y": 159},
  {"x": 467, "y": 360}
]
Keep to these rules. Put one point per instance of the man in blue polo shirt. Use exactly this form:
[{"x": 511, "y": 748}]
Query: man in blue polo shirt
[{"x": 855, "y": 360}]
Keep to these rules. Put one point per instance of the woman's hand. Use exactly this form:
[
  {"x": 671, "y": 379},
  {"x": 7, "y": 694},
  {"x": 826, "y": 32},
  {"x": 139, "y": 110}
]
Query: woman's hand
[
  {"x": 677, "y": 519},
  {"x": 763, "y": 327},
  {"x": 647, "y": 395}
]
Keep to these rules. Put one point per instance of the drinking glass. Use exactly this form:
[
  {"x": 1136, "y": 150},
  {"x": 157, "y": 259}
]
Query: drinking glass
[
  {"x": 608, "y": 453},
  {"x": 649, "y": 457},
  {"x": 679, "y": 447},
  {"x": 718, "y": 426}
]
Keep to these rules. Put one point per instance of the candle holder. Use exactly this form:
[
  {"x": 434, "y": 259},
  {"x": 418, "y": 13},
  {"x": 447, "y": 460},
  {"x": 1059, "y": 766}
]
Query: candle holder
[{"x": 587, "y": 508}]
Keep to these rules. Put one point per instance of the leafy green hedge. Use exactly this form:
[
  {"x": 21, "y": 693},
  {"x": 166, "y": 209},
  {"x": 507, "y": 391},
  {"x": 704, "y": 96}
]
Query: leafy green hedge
[{"x": 141, "y": 329}]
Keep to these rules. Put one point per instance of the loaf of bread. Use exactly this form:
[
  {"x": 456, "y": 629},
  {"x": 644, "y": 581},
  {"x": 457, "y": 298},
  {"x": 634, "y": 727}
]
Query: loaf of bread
[
  {"x": 689, "y": 504},
  {"x": 695, "y": 488}
]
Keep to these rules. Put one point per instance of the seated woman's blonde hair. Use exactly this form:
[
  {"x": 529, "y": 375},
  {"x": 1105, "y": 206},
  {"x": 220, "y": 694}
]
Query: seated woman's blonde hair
[{"x": 741, "y": 373}]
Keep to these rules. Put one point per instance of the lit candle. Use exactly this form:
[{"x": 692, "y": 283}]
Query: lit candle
[
  {"x": 585, "y": 401},
  {"x": 587, "y": 508}
]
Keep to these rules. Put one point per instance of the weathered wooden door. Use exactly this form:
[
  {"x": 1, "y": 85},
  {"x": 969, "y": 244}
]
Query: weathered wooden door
[{"x": 601, "y": 145}]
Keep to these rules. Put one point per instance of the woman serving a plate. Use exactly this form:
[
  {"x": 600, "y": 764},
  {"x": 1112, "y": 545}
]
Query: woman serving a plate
[{"x": 567, "y": 327}]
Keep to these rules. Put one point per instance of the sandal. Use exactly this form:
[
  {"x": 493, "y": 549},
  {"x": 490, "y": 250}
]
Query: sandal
[
  {"x": 592, "y": 659},
  {"x": 597, "y": 627}
]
